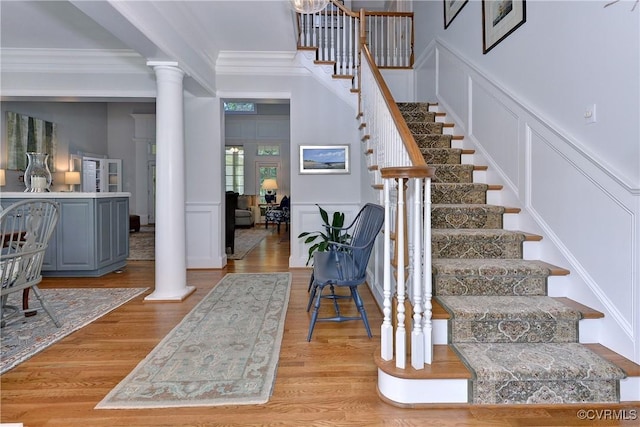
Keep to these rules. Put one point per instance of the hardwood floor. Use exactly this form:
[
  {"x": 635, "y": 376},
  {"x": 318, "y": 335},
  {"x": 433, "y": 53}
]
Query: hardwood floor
[{"x": 330, "y": 381}]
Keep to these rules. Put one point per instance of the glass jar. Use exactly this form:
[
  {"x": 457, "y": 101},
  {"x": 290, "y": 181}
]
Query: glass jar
[{"x": 37, "y": 176}]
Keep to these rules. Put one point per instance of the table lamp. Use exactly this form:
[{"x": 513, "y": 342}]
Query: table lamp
[
  {"x": 72, "y": 178},
  {"x": 270, "y": 186}
]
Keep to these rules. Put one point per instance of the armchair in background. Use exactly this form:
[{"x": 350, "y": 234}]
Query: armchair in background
[
  {"x": 279, "y": 214},
  {"x": 245, "y": 211}
]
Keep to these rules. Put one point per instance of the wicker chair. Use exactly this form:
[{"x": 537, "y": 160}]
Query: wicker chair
[{"x": 25, "y": 230}]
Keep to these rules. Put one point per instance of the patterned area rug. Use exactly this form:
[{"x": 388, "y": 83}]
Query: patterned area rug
[
  {"x": 142, "y": 243},
  {"x": 75, "y": 308},
  {"x": 246, "y": 239},
  {"x": 224, "y": 352}
]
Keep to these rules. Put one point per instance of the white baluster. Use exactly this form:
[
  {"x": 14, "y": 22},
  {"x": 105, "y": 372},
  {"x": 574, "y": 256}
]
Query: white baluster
[
  {"x": 428, "y": 285},
  {"x": 417, "y": 335},
  {"x": 401, "y": 344},
  {"x": 386, "y": 331}
]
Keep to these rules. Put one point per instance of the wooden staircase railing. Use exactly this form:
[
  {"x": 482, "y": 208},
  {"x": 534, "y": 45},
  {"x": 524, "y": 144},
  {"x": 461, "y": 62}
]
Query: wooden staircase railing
[
  {"x": 346, "y": 40},
  {"x": 406, "y": 181}
]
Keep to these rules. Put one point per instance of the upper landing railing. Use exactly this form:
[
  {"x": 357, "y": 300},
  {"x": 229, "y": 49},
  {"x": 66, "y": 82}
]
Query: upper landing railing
[{"x": 335, "y": 35}]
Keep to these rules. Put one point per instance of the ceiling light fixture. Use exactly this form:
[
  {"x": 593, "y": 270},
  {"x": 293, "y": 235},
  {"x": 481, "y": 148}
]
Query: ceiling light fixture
[{"x": 309, "y": 6}]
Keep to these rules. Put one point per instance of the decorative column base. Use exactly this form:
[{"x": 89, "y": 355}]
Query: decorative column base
[{"x": 163, "y": 297}]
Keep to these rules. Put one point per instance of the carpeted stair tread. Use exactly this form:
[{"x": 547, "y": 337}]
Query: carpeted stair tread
[
  {"x": 461, "y": 276},
  {"x": 477, "y": 243},
  {"x": 466, "y": 216},
  {"x": 457, "y": 193},
  {"x": 539, "y": 373},
  {"x": 492, "y": 267},
  {"x": 503, "y": 307},
  {"x": 510, "y": 319}
]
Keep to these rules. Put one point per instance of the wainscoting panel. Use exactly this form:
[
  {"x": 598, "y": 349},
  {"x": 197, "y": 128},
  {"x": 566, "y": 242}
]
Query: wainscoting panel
[
  {"x": 496, "y": 125},
  {"x": 573, "y": 206},
  {"x": 306, "y": 217},
  {"x": 452, "y": 86},
  {"x": 205, "y": 236}
]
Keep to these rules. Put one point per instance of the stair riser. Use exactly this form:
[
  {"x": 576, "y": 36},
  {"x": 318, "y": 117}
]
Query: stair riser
[
  {"x": 543, "y": 392},
  {"x": 458, "y": 194},
  {"x": 425, "y": 127},
  {"x": 419, "y": 116},
  {"x": 489, "y": 285},
  {"x": 453, "y": 218},
  {"x": 432, "y": 141},
  {"x": 413, "y": 106},
  {"x": 475, "y": 248},
  {"x": 512, "y": 331},
  {"x": 441, "y": 156},
  {"x": 453, "y": 173}
]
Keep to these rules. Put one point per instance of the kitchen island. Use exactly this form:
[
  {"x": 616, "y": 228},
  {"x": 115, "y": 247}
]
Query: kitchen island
[{"x": 92, "y": 235}]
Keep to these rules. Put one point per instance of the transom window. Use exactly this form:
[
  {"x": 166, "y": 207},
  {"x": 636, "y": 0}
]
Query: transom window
[
  {"x": 268, "y": 150},
  {"x": 240, "y": 107}
]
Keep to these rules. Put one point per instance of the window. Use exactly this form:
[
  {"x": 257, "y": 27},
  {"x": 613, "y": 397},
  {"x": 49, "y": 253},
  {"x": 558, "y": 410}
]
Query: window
[
  {"x": 234, "y": 169},
  {"x": 240, "y": 107},
  {"x": 268, "y": 150}
]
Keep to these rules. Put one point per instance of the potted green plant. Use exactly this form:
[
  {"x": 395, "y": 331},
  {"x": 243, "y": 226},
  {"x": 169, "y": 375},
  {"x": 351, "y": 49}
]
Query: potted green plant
[{"x": 321, "y": 240}]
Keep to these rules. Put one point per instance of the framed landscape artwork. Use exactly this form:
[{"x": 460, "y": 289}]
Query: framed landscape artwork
[
  {"x": 451, "y": 10},
  {"x": 324, "y": 159},
  {"x": 499, "y": 19}
]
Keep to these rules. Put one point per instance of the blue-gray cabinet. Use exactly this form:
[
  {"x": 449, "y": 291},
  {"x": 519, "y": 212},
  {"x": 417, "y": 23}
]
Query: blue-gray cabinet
[{"x": 92, "y": 235}]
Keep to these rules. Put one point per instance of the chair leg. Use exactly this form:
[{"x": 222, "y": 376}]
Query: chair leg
[
  {"x": 314, "y": 289},
  {"x": 44, "y": 305},
  {"x": 314, "y": 315},
  {"x": 310, "y": 282},
  {"x": 334, "y": 297},
  {"x": 363, "y": 313}
]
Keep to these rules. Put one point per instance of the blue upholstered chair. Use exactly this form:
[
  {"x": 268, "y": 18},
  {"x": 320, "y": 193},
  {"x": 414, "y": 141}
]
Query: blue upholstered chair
[{"x": 345, "y": 265}]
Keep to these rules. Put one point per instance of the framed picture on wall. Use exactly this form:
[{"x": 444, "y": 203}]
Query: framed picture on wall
[
  {"x": 324, "y": 159},
  {"x": 499, "y": 19},
  {"x": 451, "y": 10}
]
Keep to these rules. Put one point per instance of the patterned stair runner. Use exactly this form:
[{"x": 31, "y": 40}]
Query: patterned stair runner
[{"x": 521, "y": 345}]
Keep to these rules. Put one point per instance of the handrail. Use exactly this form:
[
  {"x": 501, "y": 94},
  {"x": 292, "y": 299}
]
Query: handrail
[{"x": 410, "y": 144}]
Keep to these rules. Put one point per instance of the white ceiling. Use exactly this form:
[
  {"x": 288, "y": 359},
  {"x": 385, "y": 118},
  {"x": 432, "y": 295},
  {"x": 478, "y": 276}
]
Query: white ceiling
[{"x": 191, "y": 32}]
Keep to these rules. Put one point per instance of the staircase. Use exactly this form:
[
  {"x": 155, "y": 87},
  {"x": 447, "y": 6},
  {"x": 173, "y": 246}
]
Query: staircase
[
  {"x": 484, "y": 330},
  {"x": 509, "y": 343}
]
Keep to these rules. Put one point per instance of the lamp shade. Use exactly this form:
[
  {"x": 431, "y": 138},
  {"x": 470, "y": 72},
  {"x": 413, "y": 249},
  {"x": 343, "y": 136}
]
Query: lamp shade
[
  {"x": 72, "y": 178},
  {"x": 269, "y": 184},
  {"x": 3, "y": 180},
  {"x": 309, "y": 6}
]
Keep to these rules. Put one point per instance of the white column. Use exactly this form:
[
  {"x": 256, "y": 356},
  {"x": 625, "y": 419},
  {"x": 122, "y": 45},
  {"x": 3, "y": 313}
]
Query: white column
[{"x": 171, "y": 248}]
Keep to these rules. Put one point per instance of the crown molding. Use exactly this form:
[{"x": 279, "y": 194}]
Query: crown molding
[
  {"x": 76, "y": 61},
  {"x": 261, "y": 63}
]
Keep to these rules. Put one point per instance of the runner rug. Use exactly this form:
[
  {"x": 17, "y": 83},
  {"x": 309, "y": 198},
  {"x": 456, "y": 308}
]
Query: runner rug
[
  {"x": 224, "y": 352},
  {"x": 75, "y": 307}
]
